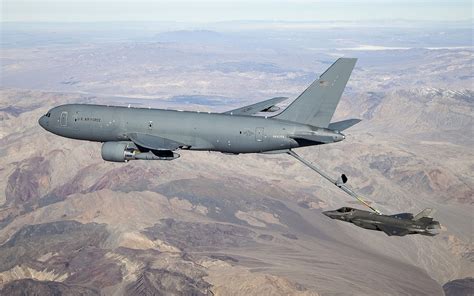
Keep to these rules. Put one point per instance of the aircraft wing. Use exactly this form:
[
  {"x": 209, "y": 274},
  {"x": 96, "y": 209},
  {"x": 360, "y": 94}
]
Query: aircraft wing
[
  {"x": 391, "y": 230},
  {"x": 265, "y": 106},
  {"x": 405, "y": 216},
  {"x": 154, "y": 142}
]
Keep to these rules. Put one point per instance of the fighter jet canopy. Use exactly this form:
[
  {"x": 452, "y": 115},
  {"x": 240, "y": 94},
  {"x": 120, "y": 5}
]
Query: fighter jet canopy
[{"x": 345, "y": 210}]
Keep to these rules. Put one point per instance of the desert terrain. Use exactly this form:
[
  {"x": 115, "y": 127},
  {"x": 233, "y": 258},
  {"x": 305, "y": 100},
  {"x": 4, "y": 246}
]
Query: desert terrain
[{"x": 214, "y": 224}]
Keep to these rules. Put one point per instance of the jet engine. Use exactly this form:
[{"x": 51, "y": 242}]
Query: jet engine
[{"x": 125, "y": 151}]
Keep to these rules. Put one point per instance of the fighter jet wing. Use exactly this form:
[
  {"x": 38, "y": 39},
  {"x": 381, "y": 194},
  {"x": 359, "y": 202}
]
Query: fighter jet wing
[
  {"x": 265, "y": 106},
  {"x": 154, "y": 142},
  {"x": 390, "y": 230},
  {"x": 405, "y": 216}
]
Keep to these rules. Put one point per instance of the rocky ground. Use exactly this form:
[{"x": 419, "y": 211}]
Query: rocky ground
[{"x": 214, "y": 224}]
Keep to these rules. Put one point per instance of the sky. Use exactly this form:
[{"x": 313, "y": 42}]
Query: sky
[{"x": 226, "y": 10}]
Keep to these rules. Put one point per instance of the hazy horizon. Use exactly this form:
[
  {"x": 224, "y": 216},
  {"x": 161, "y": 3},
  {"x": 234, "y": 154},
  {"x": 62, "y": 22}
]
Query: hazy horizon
[{"x": 211, "y": 10}]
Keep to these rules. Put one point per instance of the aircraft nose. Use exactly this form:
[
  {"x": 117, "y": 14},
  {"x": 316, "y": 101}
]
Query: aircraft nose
[
  {"x": 336, "y": 215},
  {"x": 43, "y": 121},
  {"x": 330, "y": 214}
]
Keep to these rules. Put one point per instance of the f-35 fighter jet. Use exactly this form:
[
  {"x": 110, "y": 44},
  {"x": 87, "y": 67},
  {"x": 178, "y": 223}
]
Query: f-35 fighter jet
[{"x": 397, "y": 225}]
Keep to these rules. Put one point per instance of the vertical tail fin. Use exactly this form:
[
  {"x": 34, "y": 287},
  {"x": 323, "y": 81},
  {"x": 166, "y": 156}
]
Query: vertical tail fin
[{"x": 316, "y": 105}]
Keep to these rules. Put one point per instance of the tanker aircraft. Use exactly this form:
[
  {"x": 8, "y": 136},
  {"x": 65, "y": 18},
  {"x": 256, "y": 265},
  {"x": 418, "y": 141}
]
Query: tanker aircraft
[{"x": 157, "y": 134}]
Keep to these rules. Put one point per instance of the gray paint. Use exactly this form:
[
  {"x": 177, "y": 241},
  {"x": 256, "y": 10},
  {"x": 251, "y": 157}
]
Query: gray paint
[
  {"x": 198, "y": 131},
  {"x": 316, "y": 105},
  {"x": 397, "y": 225},
  {"x": 158, "y": 132}
]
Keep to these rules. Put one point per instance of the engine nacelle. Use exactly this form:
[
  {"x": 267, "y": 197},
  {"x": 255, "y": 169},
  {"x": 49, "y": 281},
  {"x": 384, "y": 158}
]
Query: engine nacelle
[
  {"x": 125, "y": 151},
  {"x": 118, "y": 151}
]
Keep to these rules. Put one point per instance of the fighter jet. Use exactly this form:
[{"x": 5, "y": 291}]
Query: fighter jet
[
  {"x": 156, "y": 134},
  {"x": 396, "y": 225}
]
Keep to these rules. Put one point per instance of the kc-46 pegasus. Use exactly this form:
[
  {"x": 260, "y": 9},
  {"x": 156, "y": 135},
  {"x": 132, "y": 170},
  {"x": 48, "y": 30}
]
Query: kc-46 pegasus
[{"x": 155, "y": 134}]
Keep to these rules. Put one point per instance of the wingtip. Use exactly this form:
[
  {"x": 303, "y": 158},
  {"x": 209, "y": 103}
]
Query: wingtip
[
  {"x": 344, "y": 62},
  {"x": 346, "y": 59}
]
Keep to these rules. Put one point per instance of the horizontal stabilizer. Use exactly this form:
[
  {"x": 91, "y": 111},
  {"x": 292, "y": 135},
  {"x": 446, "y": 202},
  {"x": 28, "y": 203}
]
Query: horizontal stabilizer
[
  {"x": 324, "y": 139},
  {"x": 343, "y": 125},
  {"x": 428, "y": 213},
  {"x": 264, "y": 106}
]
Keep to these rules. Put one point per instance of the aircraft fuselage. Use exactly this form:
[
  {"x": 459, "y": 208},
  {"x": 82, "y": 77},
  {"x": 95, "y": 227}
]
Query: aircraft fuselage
[
  {"x": 398, "y": 225},
  {"x": 196, "y": 130}
]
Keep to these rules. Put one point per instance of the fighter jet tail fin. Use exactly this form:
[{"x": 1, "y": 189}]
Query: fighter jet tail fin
[
  {"x": 426, "y": 213},
  {"x": 317, "y": 104}
]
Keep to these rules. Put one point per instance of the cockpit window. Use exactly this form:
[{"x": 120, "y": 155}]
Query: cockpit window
[
  {"x": 345, "y": 210},
  {"x": 48, "y": 114}
]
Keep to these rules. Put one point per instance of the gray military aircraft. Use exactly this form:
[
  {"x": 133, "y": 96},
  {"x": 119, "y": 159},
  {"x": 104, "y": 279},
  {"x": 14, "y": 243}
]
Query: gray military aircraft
[
  {"x": 398, "y": 225},
  {"x": 155, "y": 134}
]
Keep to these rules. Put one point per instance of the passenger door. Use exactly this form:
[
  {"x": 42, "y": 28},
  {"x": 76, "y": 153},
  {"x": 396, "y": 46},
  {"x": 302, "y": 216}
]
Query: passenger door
[
  {"x": 259, "y": 134},
  {"x": 63, "y": 119}
]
